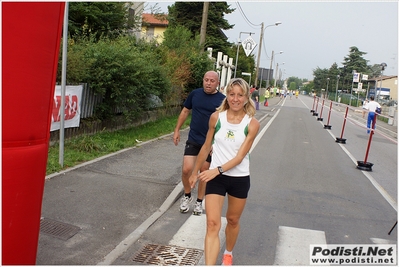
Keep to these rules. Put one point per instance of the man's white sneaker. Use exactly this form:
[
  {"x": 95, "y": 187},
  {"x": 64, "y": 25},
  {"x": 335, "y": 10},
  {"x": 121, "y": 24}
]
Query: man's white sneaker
[
  {"x": 197, "y": 208},
  {"x": 185, "y": 204}
]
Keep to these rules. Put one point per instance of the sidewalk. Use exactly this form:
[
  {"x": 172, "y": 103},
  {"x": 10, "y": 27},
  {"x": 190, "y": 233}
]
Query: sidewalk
[
  {"x": 93, "y": 212},
  {"x": 382, "y": 126},
  {"x": 355, "y": 114}
]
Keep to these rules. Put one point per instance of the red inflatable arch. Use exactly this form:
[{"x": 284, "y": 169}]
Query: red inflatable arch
[{"x": 31, "y": 34}]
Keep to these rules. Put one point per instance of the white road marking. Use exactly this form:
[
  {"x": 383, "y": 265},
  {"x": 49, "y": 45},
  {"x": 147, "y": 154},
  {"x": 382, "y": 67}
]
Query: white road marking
[
  {"x": 135, "y": 235},
  {"x": 293, "y": 245},
  {"x": 382, "y": 241},
  {"x": 262, "y": 132},
  {"x": 377, "y": 186}
]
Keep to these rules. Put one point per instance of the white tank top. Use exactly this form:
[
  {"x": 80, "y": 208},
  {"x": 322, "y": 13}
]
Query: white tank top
[{"x": 227, "y": 141}]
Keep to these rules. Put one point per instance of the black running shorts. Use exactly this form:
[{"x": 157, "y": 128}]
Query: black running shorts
[
  {"x": 234, "y": 186},
  {"x": 193, "y": 149}
]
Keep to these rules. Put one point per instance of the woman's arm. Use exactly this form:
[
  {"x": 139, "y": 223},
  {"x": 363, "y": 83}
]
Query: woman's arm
[{"x": 205, "y": 149}]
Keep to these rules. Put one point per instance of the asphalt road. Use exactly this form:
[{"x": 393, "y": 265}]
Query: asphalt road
[{"x": 305, "y": 188}]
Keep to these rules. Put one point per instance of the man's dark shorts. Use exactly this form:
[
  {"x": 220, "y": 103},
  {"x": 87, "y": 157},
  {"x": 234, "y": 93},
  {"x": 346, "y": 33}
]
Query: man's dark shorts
[
  {"x": 193, "y": 149},
  {"x": 234, "y": 186}
]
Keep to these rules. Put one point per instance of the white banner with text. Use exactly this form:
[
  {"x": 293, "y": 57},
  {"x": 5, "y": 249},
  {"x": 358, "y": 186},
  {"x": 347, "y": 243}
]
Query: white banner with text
[{"x": 73, "y": 95}]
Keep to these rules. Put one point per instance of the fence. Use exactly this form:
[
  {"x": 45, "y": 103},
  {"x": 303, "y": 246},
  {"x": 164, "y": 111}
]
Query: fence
[
  {"x": 389, "y": 113},
  {"x": 89, "y": 125}
]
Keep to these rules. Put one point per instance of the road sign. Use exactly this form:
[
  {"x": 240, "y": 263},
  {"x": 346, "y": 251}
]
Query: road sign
[
  {"x": 248, "y": 45},
  {"x": 355, "y": 77}
]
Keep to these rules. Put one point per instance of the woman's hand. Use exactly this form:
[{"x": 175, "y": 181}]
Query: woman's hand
[{"x": 208, "y": 175}]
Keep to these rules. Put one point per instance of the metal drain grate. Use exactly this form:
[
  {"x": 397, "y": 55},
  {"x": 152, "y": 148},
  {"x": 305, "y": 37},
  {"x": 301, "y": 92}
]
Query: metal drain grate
[
  {"x": 57, "y": 229},
  {"x": 167, "y": 255}
]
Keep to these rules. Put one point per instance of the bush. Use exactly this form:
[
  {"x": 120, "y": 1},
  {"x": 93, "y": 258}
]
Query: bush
[
  {"x": 184, "y": 58},
  {"x": 125, "y": 72}
]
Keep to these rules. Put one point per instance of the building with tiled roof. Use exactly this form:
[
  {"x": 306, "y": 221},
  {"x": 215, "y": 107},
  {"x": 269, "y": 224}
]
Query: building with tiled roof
[{"x": 153, "y": 26}]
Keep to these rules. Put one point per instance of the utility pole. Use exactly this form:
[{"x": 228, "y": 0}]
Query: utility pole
[
  {"x": 204, "y": 23},
  {"x": 260, "y": 48},
  {"x": 276, "y": 74},
  {"x": 270, "y": 70},
  {"x": 258, "y": 59},
  {"x": 63, "y": 84}
]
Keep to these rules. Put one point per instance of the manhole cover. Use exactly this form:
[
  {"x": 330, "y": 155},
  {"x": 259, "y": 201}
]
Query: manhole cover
[
  {"x": 167, "y": 255},
  {"x": 57, "y": 229}
]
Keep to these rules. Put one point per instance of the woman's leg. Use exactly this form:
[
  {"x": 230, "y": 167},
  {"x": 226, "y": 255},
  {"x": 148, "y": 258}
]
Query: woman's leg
[
  {"x": 213, "y": 210},
  {"x": 234, "y": 211}
]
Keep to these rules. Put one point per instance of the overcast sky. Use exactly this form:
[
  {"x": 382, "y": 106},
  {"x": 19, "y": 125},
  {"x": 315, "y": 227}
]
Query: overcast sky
[{"x": 317, "y": 34}]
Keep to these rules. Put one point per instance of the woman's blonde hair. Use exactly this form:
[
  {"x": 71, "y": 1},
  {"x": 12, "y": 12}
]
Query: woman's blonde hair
[{"x": 249, "y": 106}]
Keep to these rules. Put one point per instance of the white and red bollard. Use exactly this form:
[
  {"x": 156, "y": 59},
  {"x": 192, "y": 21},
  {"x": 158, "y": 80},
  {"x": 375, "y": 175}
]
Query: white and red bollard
[
  {"x": 341, "y": 139},
  {"x": 364, "y": 165},
  {"x": 328, "y": 126},
  {"x": 321, "y": 112},
  {"x": 315, "y": 112}
]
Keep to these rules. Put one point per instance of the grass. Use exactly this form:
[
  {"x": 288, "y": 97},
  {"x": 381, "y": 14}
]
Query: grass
[{"x": 88, "y": 147}]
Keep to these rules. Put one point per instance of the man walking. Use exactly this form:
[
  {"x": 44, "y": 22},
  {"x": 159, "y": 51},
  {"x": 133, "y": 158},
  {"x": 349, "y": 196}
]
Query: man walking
[
  {"x": 202, "y": 102},
  {"x": 371, "y": 107}
]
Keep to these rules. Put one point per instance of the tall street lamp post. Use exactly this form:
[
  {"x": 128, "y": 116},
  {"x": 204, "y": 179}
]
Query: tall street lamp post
[
  {"x": 277, "y": 76},
  {"x": 328, "y": 79},
  {"x": 247, "y": 74},
  {"x": 238, "y": 49},
  {"x": 383, "y": 66},
  {"x": 260, "y": 48},
  {"x": 270, "y": 69},
  {"x": 336, "y": 89}
]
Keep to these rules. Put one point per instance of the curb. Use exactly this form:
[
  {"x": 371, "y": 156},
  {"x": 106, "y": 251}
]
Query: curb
[{"x": 135, "y": 235}]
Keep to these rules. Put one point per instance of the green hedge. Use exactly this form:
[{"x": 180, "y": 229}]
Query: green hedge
[{"x": 126, "y": 71}]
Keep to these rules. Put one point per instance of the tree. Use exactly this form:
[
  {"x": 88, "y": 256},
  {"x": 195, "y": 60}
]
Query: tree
[
  {"x": 295, "y": 80},
  {"x": 189, "y": 15},
  {"x": 320, "y": 78},
  {"x": 292, "y": 86},
  {"x": 333, "y": 72},
  {"x": 353, "y": 62},
  {"x": 309, "y": 87},
  {"x": 108, "y": 19},
  {"x": 375, "y": 70},
  {"x": 184, "y": 63}
]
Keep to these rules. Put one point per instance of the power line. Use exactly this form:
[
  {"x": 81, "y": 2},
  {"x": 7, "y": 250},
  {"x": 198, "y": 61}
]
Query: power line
[
  {"x": 264, "y": 47},
  {"x": 245, "y": 17}
]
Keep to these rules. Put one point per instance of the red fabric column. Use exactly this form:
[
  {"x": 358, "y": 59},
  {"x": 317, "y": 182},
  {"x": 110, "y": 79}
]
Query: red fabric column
[{"x": 31, "y": 34}]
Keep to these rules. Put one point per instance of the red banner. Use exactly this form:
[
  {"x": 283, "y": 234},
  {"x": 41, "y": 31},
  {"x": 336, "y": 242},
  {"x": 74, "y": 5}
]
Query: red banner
[{"x": 31, "y": 34}]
